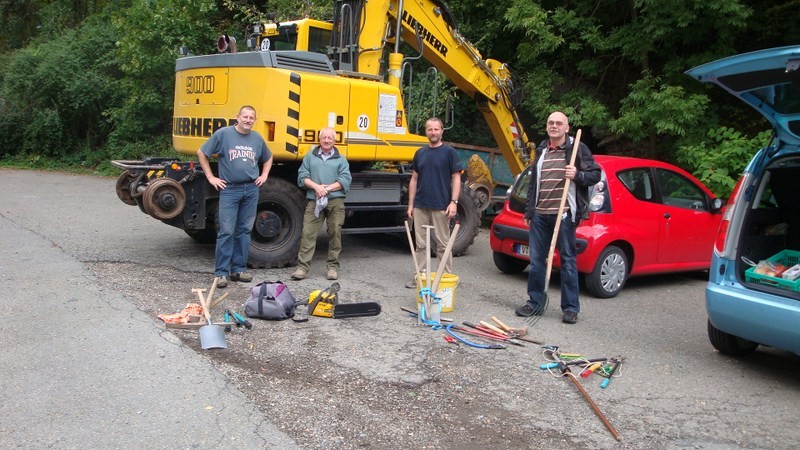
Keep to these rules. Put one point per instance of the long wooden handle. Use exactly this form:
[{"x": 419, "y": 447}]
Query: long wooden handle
[
  {"x": 493, "y": 328},
  {"x": 211, "y": 292},
  {"x": 413, "y": 254},
  {"x": 564, "y": 195},
  {"x": 501, "y": 324},
  {"x": 218, "y": 300},
  {"x": 594, "y": 407},
  {"x": 445, "y": 256},
  {"x": 199, "y": 293}
]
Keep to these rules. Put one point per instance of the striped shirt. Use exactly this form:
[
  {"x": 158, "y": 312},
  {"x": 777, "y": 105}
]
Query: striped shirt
[{"x": 551, "y": 185}]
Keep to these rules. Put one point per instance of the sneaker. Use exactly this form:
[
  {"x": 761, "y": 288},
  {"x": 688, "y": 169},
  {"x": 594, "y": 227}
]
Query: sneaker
[
  {"x": 570, "y": 317},
  {"x": 300, "y": 274},
  {"x": 412, "y": 284},
  {"x": 528, "y": 310},
  {"x": 222, "y": 282},
  {"x": 333, "y": 274},
  {"x": 241, "y": 276}
]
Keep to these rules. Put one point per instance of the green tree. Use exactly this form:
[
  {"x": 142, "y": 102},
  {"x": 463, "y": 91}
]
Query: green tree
[
  {"x": 54, "y": 94},
  {"x": 150, "y": 34},
  {"x": 619, "y": 66},
  {"x": 719, "y": 159}
]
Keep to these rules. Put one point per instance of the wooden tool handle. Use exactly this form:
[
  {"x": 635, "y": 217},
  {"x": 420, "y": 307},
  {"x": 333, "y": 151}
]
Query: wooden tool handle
[
  {"x": 575, "y": 145},
  {"x": 493, "y": 328},
  {"x": 211, "y": 292},
  {"x": 445, "y": 256},
  {"x": 219, "y": 300},
  {"x": 202, "y": 299},
  {"x": 501, "y": 324}
]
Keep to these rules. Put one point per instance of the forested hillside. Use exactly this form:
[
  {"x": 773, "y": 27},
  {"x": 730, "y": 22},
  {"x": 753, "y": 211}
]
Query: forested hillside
[{"x": 85, "y": 81}]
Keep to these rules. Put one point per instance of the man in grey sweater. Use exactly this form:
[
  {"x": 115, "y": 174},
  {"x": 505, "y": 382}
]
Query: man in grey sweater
[{"x": 325, "y": 174}]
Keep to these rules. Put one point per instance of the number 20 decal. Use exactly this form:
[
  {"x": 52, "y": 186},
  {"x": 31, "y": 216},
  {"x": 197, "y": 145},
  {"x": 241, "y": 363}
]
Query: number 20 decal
[{"x": 363, "y": 122}]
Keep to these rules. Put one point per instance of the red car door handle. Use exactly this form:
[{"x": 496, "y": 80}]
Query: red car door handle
[{"x": 667, "y": 216}]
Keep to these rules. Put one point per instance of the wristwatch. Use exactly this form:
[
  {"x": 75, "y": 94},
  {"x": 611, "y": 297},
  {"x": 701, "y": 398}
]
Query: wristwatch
[{"x": 454, "y": 201}]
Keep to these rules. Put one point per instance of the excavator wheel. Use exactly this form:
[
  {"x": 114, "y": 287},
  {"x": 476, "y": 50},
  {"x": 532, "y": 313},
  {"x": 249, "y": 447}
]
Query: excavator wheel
[
  {"x": 164, "y": 199},
  {"x": 124, "y": 187},
  {"x": 469, "y": 216},
  {"x": 275, "y": 239}
]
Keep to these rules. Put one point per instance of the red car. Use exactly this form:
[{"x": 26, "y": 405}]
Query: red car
[{"x": 647, "y": 217}]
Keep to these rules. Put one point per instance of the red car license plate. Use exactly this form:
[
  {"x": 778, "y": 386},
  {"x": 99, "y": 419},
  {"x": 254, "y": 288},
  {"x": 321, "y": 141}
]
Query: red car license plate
[{"x": 522, "y": 249}]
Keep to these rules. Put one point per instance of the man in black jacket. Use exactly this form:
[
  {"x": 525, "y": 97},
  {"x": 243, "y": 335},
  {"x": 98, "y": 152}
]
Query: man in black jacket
[{"x": 548, "y": 173}]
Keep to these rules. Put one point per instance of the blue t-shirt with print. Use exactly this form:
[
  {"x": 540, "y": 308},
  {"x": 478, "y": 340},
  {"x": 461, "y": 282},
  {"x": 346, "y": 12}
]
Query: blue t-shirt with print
[{"x": 239, "y": 155}]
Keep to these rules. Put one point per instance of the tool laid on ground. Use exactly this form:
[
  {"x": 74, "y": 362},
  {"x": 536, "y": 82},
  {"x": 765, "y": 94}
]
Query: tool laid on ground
[
  {"x": 325, "y": 303},
  {"x": 413, "y": 313},
  {"x": 517, "y": 333},
  {"x": 564, "y": 367},
  {"x": 483, "y": 332},
  {"x": 450, "y": 339},
  {"x": 238, "y": 319},
  {"x": 617, "y": 361},
  {"x": 587, "y": 362},
  {"x": 451, "y": 330},
  {"x": 211, "y": 336},
  {"x": 227, "y": 319},
  {"x": 559, "y": 217}
]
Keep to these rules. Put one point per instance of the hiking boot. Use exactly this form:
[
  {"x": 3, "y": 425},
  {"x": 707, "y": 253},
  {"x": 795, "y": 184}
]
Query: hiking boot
[
  {"x": 300, "y": 274},
  {"x": 528, "y": 310},
  {"x": 333, "y": 274},
  {"x": 241, "y": 276},
  {"x": 222, "y": 282},
  {"x": 412, "y": 284},
  {"x": 570, "y": 317}
]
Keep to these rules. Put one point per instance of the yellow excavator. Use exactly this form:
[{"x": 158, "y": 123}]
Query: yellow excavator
[{"x": 305, "y": 75}]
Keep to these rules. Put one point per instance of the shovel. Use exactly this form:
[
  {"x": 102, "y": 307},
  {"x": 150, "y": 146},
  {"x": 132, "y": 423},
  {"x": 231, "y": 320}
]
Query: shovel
[{"x": 211, "y": 336}]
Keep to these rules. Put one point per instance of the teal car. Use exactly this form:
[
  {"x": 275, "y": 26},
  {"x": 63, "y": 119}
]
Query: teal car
[{"x": 752, "y": 297}]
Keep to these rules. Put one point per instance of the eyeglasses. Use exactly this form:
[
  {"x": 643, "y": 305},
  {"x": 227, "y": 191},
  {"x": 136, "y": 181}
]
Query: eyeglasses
[{"x": 551, "y": 123}]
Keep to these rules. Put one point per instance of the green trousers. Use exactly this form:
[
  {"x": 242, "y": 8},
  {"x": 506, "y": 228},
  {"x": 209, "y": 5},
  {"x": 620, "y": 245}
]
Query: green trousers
[{"x": 333, "y": 214}]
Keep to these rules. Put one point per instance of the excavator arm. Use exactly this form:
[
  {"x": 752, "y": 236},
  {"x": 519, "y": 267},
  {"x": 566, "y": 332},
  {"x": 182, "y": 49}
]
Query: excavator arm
[{"x": 363, "y": 29}]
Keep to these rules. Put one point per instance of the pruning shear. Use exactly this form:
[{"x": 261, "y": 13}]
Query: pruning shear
[{"x": 450, "y": 339}]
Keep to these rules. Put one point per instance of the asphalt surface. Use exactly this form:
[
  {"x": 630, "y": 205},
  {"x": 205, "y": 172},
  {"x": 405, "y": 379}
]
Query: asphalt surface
[
  {"x": 83, "y": 368},
  {"x": 85, "y": 364}
]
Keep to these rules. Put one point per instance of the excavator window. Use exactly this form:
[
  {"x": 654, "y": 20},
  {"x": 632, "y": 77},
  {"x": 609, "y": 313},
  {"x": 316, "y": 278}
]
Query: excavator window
[{"x": 318, "y": 40}]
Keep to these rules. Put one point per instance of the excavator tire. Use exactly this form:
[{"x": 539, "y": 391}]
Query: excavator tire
[
  {"x": 275, "y": 239},
  {"x": 469, "y": 216}
]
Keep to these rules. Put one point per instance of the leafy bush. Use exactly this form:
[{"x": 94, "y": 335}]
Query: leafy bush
[
  {"x": 719, "y": 160},
  {"x": 54, "y": 93}
]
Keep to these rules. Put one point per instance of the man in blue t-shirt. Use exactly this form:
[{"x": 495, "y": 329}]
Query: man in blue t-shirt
[
  {"x": 239, "y": 152},
  {"x": 433, "y": 193}
]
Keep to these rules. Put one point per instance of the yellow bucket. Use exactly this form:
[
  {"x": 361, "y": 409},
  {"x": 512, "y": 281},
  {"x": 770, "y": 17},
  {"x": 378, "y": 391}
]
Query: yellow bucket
[{"x": 446, "y": 292}]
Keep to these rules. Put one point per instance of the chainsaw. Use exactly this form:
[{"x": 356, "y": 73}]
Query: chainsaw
[{"x": 325, "y": 303}]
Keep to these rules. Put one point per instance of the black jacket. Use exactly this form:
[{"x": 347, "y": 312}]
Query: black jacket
[{"x": 587, "y": 176}]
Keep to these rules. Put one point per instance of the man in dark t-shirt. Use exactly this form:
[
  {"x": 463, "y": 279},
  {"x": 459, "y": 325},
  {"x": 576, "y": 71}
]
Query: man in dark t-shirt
[{"x": 433, "y": 193}]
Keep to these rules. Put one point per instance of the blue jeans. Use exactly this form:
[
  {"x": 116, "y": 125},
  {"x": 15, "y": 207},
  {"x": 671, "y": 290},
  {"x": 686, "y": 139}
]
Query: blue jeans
[
  {"x": 541, "y": 233},
  {"x": 237, "y": 213}
]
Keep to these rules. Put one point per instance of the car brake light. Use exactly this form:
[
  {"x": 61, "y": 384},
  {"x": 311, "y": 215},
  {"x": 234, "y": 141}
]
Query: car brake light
[{"x": 722, "y": 233}]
